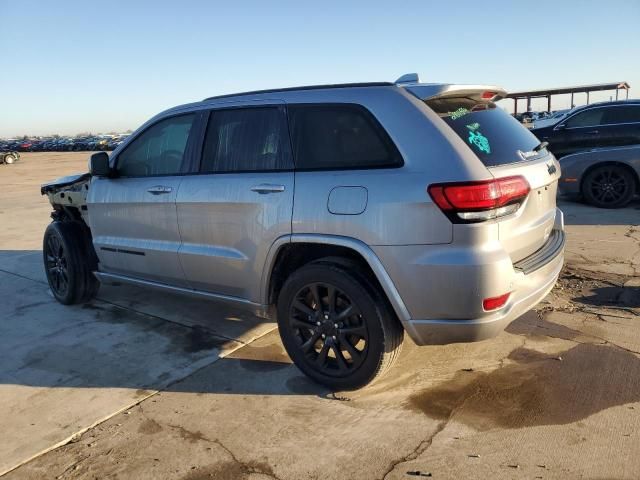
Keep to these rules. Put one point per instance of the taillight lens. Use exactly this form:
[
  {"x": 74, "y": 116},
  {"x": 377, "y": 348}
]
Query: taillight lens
[
  {"x": 495, "y": 303},
  {"x": 478, "y": 201}
]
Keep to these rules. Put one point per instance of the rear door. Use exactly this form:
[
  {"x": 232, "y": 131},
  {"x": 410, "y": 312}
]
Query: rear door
[
  {"x": 239, "y": 203},
  {"x": 623, "y": 124},
  {"x": 133, "y": 215},
  {"x": 508, "y": 149}
]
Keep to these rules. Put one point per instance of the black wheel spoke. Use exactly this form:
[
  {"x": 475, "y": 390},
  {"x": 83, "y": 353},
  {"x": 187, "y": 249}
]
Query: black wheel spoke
[
  {"x": 331, "y": 299},
  {"x": 353, "y": 352},
  {"x": 301, "y": 307},
  {"x": 310, "y": 343},
  {"x": 346, "y": 313},
  {"x": 315, "y": 293},
  {"x": 297, "y": 323},
  {"x": 359, "y": 330},
  {"x": 322, "y": 356},
  {"x": 340, "y": 360}
]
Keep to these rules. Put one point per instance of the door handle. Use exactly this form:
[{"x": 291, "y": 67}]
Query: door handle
[
  {"x": 593, "y": 132},
  {"x": 159, "y": 190},
  {"x": 267, "y": 188}
]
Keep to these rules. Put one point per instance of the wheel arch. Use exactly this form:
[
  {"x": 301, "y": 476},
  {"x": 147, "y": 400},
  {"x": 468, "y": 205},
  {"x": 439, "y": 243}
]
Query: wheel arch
[
  {"x": 617, "y": 163},
  {"x": 285, "y": 256}
]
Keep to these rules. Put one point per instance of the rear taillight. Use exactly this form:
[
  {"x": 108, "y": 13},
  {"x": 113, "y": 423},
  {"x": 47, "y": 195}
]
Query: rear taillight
[{"x": 479, "y": 201}]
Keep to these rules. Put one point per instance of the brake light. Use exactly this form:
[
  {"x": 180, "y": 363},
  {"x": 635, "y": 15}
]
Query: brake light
[
  {"x": 495, "y": 303},
  {"x": 478, "y": 201},
  {"x": 488, "y": 95}
]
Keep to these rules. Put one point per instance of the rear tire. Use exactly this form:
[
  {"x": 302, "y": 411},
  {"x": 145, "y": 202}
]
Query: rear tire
[
  {"x": 609, "y": 186},
  {"x": 9, "y": 158},
  {"x": 68, "y": 263},
  {"x": 336, "y": 326}
]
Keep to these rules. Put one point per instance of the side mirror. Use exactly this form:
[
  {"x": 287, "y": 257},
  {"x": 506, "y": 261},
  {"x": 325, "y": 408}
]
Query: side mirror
[{"x": 99, "y": 164}]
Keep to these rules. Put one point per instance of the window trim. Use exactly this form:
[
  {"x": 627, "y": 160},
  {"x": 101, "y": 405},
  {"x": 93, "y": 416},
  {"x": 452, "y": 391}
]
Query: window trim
[
  {"x": 600, "y": 124},
  {"x": 373, "y": 121},
  {"x": 208, "y": 114},
  {"x": 189, "y": 147}
]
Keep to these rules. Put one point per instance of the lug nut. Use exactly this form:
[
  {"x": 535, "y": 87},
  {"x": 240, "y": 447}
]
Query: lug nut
[
  {"x": 326, "y": 317},
  {"x": 334, "y": 337},
  {"x": 335, "y": 325},
  {"x": 324, "y": 336},
  {"x": 318, "y": 323}
]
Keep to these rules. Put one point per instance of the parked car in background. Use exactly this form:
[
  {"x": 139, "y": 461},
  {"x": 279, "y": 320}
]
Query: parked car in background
[
  {"x": 552, "y": 119},
  {"x": 604, "y": 177},
  {"x": 9, "y": 157},
  {"x": 607, "y": 124},
  {"x": 351, "y": 213}
]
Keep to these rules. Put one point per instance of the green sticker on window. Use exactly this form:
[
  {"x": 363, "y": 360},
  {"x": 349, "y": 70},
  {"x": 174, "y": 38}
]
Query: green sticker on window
[
  {"x": 461, "y": 112},
  {"x": 478, "y": 139}
]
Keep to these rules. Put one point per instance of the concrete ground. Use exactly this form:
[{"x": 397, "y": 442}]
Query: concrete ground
[{"x": 138, "y": 385}]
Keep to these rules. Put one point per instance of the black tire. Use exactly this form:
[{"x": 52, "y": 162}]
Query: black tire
[
  {"x": 10, "y": 158},
  {"x": 69, "y": 263},
  {"x": 609, "y": 186},
  {"x": 362, "y": 336}
]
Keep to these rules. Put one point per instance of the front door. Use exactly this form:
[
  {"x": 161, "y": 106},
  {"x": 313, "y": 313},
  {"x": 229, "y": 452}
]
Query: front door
[
  {"x": 231, "y": 213},
  {"x": 133, "y": 215}
]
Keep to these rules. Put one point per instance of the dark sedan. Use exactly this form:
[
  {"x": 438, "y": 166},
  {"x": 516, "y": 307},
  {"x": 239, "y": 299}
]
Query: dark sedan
[{"x": 607, "y": 124}]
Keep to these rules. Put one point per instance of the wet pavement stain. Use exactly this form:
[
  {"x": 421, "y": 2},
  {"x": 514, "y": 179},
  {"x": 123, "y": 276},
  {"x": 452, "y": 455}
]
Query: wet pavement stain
[
  {"x": 231, "y": 470},
  {"x": 263, "y": 359},
  {"x": 537, "y": 389},
  {"x": 149, "y": 427}
]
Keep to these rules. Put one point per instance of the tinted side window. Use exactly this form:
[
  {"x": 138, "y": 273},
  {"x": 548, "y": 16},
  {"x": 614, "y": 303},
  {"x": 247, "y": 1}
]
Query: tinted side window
[
  {"x": 339, "y": 137},
  {"x": 589, "y": 118},
  {"x": 158, "y": 150},
  {"x": 246, "y": 139},
  {"x": 622, "y": 114}
]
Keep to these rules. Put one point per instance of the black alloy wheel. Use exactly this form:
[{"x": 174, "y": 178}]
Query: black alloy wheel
[
  {"x": 329, "y": 328},
  {"x": 56, "y": 264},
  {"x": 336, "y": 325},
  {"x": 609, "y": 186}
]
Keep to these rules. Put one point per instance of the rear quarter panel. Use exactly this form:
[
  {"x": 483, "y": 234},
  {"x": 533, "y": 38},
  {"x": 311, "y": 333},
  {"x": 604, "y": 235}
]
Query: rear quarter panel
[{"x": 399, "y": 210}]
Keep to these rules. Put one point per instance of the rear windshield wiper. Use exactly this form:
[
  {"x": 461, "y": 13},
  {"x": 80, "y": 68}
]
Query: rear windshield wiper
[{"x": 541, "y": 146}]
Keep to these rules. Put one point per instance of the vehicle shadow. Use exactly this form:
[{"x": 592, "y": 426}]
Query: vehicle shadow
[
  {"x": 612, "y": 297},
  {"x": 128, "y": 337}
]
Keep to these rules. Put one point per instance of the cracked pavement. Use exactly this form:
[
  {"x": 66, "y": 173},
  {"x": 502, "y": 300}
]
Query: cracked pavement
[{"x": 557, "y": 395}]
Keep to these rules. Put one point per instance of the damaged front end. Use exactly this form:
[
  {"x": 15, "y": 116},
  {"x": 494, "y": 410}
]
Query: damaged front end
[{"x": 68, "y": 197}]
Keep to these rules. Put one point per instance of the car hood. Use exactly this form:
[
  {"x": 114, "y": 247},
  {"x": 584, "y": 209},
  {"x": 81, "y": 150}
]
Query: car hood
[{"x": 64, "y": 182}]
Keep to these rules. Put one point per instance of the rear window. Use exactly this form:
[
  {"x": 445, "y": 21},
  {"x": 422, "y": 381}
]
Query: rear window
[
  {"x": 339, "y": 136},
  {"x": 493, "y": 135}
]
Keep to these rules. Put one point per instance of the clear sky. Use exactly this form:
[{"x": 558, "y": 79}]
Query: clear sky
[{"x": 69, "y": 66}]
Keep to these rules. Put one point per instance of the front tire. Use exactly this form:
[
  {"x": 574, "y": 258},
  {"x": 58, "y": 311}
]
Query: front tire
[
  {"x": 68, "y": 264},
  {"x": 608, "y": 186},
  {"x": 336, "y": 326},
  {"x": 9, "y": 158}
]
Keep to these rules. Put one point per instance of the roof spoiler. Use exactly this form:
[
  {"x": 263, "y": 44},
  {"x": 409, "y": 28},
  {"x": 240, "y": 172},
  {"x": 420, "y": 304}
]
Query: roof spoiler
[{"x": 429, "y": 91}]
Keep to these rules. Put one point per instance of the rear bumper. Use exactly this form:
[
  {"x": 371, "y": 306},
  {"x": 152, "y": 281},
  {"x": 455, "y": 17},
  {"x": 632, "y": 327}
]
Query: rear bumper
[
  {"x": 530, "y": 290},
  {"x": 443, "y": 286}
]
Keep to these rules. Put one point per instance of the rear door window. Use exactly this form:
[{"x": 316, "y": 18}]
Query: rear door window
[
  {"x": 339, "y": 136},
  {"x": 491, "y": 133},
  {"x": 246, "y": 140},
  {"x": 622, "y": 114}
]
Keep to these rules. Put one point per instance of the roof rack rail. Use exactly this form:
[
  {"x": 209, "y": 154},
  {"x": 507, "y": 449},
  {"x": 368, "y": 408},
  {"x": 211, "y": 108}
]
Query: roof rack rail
[{"x": 308, "y": 87}]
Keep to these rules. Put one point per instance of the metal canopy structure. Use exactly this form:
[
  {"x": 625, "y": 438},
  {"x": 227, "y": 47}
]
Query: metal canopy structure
[{"x": 547, "y": 93}]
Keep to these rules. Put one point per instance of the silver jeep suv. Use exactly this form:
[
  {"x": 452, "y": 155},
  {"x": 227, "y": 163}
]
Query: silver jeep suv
[{"x": 350, "y": 213}]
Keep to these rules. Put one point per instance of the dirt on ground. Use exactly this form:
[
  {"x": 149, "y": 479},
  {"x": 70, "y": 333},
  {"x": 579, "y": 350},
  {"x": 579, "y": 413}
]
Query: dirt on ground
[{"x": 555, "y": 396}]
